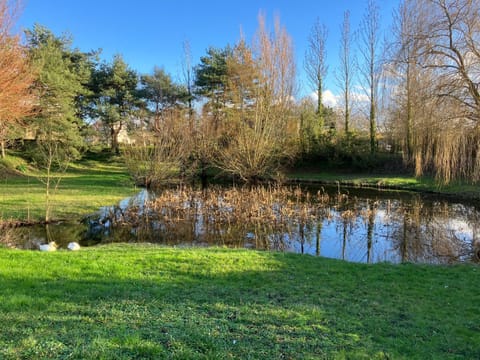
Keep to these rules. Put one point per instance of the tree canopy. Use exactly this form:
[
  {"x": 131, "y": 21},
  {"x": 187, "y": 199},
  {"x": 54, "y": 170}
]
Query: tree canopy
[
  {"x": 59, "y": 83},
  {"x": 414, "y": 98},
  {"x": 115, "y": 97},
  {"x": 17, "y": 75},
  {"x": 161, "y": 95}
]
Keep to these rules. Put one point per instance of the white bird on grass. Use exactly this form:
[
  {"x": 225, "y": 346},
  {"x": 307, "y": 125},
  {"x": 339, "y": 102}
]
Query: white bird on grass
[
  {"x": 51, "y": 246},
  {"x": 73, "y": 246}
]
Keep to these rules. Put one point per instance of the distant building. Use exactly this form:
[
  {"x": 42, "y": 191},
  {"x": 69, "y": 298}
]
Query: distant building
[{"x": 124, "y": 138}]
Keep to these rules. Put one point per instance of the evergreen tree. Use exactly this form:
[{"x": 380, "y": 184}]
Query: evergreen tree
[
  {"x": 211, "y": 80},
  {"x": 56, "y": 124},
  {"x": 161, "y": 96},
  {"x": 59, "y": 85},
  {"x": 115, "y": 97}
]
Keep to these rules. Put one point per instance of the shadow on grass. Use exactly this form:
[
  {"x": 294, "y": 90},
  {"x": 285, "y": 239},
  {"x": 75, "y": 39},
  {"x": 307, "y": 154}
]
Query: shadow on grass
[
  {"x": 197, "y": 318},
  {"x": 291, "y": 307}
]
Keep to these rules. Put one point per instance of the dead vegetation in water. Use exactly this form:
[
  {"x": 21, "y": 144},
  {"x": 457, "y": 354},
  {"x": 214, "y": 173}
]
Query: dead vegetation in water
[
  {"x": 7, "y": 238},
  {"x": 285, "y": 218},
  {"x": 262, "y": 215},
  {"x": 14, "y": 223}
]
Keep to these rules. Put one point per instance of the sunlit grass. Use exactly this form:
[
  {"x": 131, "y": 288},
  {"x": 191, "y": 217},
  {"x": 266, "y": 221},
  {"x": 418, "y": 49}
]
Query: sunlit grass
[
  {"x": 84, "y": 188},
  {"x": 148, "y": 302},
  {"x": 404, "y": 182}
]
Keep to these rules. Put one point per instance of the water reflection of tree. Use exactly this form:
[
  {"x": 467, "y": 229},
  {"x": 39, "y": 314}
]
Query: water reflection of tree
[
  {"x": 7, "y": 237},
  {"x": 424, "y": 232},
  {"x": 30, "y": 237},
  {"x": 372, "y": 207},
  {"x": 280, "y": 218},
  {"x": 473, "y": 219}
]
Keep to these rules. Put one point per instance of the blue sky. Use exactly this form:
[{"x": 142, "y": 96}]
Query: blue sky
[{"x": 151, "y": 32}]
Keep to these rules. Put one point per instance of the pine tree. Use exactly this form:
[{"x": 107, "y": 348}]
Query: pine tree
[
  {"x": 115, "y": 97},
  {"x": 56, "y": 123}
]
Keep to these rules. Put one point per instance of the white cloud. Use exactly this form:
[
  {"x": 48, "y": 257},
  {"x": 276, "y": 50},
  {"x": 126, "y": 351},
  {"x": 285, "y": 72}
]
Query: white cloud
[
  {"x": 329, "y": 98},
  {"x": 358, "y": 94},
  {"x": 360, "y": 97}
]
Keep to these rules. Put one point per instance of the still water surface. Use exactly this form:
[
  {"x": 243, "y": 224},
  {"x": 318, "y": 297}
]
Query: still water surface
[{"x": 358, "y": 225}]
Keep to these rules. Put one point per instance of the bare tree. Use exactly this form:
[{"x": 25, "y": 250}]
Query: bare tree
[
  {"x": 157, "y": 157},
  {"x": 370, "y": 68},
  {"x": 315, "y": 64},
  {"x": 408, "y": 94},
  {"x": 276, "y": 61},
  {"x": 345, "y": 72},
  {"x": 439, "y": 61},
  {"x": 54, "y": 157},
  {"x": 451, "y": 45},
  {"x": 187, "y": 72},
  {"x": 16, "y": 75},
  {"x": 264, "y": 82}
]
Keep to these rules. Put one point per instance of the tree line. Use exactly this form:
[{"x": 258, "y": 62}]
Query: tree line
[{"x": 413, "y": 98}]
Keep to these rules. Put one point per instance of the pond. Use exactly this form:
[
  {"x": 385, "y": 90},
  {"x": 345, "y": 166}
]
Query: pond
[{"x": 354, "y": 224}]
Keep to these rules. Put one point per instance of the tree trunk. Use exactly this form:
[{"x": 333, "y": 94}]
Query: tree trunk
[
  {"x": 301, "y": 136},
  {"x": 47, "y": 190},
  {"x": 347, "y": 117},
  {"x": 373, "y": 129},
  {"x": 409, "y": 132},
  {"x": 2, "y": 146},
  {"x": 321, "y": 122},
  {"x": 114, "y": 138}
]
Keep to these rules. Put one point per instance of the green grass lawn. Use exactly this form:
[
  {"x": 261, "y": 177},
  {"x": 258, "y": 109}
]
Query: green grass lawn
[
  {"x": 148, "y": 302},
  {"x": 86, "y": 186},
  {"x": 394, "y": 181}
]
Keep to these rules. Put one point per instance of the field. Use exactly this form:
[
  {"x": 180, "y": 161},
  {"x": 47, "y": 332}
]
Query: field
[
  {"x": 148, "y": 302},
  {"x": 84, "y": 188}
]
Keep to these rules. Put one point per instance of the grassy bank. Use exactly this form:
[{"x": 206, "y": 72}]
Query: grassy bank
[
  {"x": 85, "y": 187},
  {"x": 387, "y": 181},
  {"x": 146, "y": 302}
]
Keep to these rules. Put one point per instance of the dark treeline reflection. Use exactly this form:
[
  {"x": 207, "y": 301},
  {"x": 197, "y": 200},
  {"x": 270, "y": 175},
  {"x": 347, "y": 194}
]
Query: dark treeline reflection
[{"x": 352, "y": 224}]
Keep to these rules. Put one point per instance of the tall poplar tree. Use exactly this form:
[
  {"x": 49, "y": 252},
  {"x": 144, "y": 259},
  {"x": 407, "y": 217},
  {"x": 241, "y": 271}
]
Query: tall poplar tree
[
  {"x": 346, "y": 69},
  {"x": 370, "y": 68},
  {"x": 316, "y": 65}
]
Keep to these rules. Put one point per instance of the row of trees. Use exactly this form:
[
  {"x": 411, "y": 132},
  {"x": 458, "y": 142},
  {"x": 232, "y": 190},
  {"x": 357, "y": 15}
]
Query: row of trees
[
  {"x": 246, "y": 90},
  {"x": 244, "y": 125},
  {"x": 434, "y": 78},
  {"x": 420, "y": 86},
  {"x": 236, "y": 110}
]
